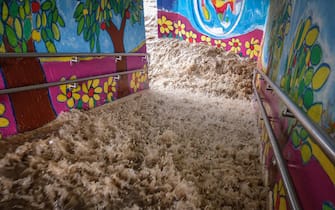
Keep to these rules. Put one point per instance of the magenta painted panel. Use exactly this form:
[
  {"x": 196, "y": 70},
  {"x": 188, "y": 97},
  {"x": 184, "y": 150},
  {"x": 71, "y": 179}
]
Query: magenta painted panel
[
  {"x": 7, "y": 119},
  {"x": 247, "y": 45},
  {"x": 54, "y": 70}
]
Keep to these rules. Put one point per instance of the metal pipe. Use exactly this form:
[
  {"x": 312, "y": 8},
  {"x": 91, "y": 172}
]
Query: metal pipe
[
  {"x": 52, "y": 84},
  {"x": 320, "y": 137},
  {"x": 46, "y": 55},
  {"x": 294, "y": 202}
]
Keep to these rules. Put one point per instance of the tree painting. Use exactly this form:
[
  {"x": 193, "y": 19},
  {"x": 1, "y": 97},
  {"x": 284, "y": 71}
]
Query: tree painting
[
  {"x": 22, "y": 23},
  {"x": 96, "y": 16}
]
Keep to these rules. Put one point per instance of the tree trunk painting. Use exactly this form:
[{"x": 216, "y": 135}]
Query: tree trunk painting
[
  {"x": 117, "y": 39},
  {"x": 102, "y": 12},
  {"x": 32, "y": 109}
]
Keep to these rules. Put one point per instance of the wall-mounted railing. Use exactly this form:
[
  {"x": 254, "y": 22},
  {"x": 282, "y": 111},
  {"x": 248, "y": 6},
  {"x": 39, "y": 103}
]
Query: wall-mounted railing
[
  {"x": 45, "y": 55},
  {"x": 75, "y": 59},
  {"x": 73, "y": 82},
  {"x": 290, "y": 189},
  {"x": 325, "y": 142}
]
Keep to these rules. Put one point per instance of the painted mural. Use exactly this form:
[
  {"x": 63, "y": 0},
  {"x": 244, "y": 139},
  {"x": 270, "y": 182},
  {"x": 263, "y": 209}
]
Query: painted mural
[
  {"x": 235, "y": 25},
  {"x": 298, "y": 57},
  {"x": 55, "y": 26}
]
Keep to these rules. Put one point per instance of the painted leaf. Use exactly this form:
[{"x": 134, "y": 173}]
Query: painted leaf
[
  {"x": 85, "y": 32},
  {"x": 303, "y": 134},
  {"x": 21, "y": 12},
  {"x": 24, "y": 47},
  {"x": 50, "y": 34},
  {"x": 315, "y": 112},
  {"x": 88, "y": 2},
  {"x": 97, "y": 14},
  {"x": 301, "y": 87},
  {"x": 2, "y": 28},
  {"x": 14, "y": 9},
  {"x": 18, "y": 49},
  {"x": 302, "y": 33},
  {"x": 306, "y": 153},
  {"x": 308, "y": 57},
  {"x": 320, "y": 77},
  {"x": 80, "y": 26},
  {"x": 92, "y": 42},
  {"x": 55, "y": 32},
  {"x": 38, "y": 21},
  {"x": 2, "y": 48},
  {"x": 61, "y": 21},
  {"x": 97, "y": 29},
  {"x": 79, "y": 10},
  {"x": 308, "y": 76},
  {"x": 105, "y": 14},
  {"x": 18, "y": 28},
  {"x": 27, "y": 28},
  {"x": 290, "y": 58},
  {"x": 312, "y": 36},
  {"x": 49, "y": 19},
  {"x": 98, "y": 46},
  {"x": 12, "y": 39},
  {"x": 55, "y": 16},
  {"x": 27, "y": 7},
  {"x": 50, "y": 47},
  {"x": 44, "y": 35},
  {"x": 4, "y": 11},
  {"x": 46, "y": 5},
  {"x": 308, "y": 98},
  {"x": 316, "y": 54},
  {"x": 44, "y": 19},
  {"x": 53, "y": 5},
  {"x": 88, "y": 21},
  {"x": 283, "y": 82},
  {"x": 102, "y": 4},
  {"x": 287, "y": 84},
  {"x": 295, "y": 139}
]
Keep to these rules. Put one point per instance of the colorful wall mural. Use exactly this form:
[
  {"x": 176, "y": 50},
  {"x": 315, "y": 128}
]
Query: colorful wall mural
[
  {"x": 55, "y": 26},
  {"x": 297, "y": 55},
  {"x": 235, "y": 25}
]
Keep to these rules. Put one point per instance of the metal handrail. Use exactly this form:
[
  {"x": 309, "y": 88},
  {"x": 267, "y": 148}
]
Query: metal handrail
[
  {"x": 322, "y": 139},
  {"x": 46, "y": 55},
  {"x": 294, "y": 202},
  {"x": 52, "y": 84}
]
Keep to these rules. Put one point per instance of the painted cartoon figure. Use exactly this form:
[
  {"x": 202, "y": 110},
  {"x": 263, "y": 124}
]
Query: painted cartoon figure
[{"x": 220, "y": 7}]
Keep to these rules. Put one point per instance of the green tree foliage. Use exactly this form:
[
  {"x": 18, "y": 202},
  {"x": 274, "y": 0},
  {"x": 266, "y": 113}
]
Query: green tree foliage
[
  {"x": 94, "y": 16},
  {"x": 24, "y": 21}
]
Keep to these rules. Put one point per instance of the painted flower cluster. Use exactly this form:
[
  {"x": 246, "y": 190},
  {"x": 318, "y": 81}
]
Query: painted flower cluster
[
  {"x": 92, "y": 92},
  {"x": 89, "y": 93},
  {"x": 178, "y": 29},
  {"x": 138, "y": 81}
]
